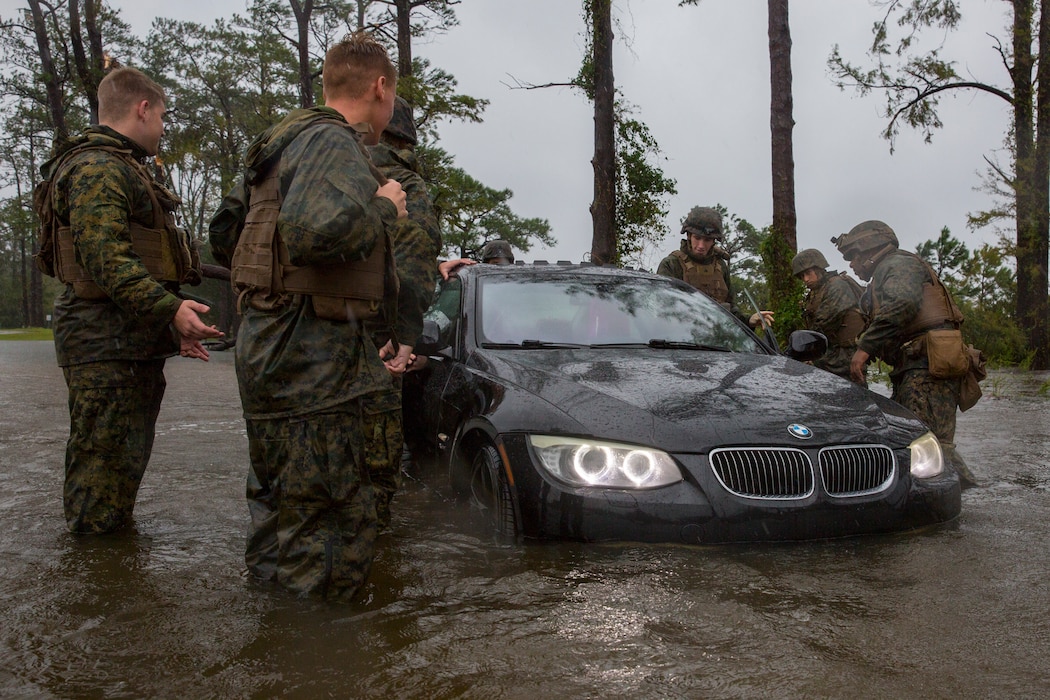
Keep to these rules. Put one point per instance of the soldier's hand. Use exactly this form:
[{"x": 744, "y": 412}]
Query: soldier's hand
[
  {"x": 193, "y": 349},
  {"x": 392, "y": 191},
  {"x": 858, "y": 364},
  {"x": 449, "y": 267},
  {"x": 756, "y": 319},
  {"x": 189, "y": 325}
]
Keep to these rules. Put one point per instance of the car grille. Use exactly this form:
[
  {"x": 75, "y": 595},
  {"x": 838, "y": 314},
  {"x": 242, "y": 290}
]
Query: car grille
[
  {"x": 856, "y": 471},
  {"x": 764, "y": 472},
  {"x": 784, "y": 473}
]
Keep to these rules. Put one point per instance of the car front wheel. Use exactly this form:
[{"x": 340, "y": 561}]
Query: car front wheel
[{"x": 490, "y": 492}]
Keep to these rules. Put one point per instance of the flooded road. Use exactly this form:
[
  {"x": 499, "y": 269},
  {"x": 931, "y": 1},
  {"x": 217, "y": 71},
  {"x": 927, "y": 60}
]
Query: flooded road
[{"x": 958, "y": 611}]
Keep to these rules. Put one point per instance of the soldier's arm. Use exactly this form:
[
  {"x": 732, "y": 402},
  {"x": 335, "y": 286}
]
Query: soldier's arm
[
  {"x": 671, "y": 267},
  {"x": 331, "y": 213},
  {"x": 225, "y": 228},
  {"x": 899, "y": 291},
  {"x": 100, "y": 205}
]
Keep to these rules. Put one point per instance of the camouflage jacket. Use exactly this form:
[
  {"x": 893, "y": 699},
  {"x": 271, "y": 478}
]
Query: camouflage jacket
[
  {"x": 289, "y": 362},
  {"x": 99, "y": 194},
  {"x": 825, "y": 308},
  {"x": 672, "y": 266},
  {"x": 416, "y": 241},
  {"x": 896, "y": 286}
]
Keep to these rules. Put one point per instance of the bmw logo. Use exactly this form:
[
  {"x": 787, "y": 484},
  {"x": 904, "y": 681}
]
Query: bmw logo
[{"x": 800, "y": 431}]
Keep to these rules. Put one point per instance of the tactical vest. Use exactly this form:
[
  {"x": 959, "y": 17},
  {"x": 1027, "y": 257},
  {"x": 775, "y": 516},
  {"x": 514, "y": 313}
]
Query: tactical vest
[
  {"x": 937, "y": 309},
  {"x": 708, "y": 278},
  {"x": 262, "y": 273},
  {"x": 164, "y": 247},
  {"x": 853, "y": 322}
]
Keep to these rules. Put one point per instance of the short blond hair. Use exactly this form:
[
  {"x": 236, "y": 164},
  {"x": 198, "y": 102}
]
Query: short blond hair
[
  {"x": 123, "y": 88},
  {"x": 353, "y": 64}
]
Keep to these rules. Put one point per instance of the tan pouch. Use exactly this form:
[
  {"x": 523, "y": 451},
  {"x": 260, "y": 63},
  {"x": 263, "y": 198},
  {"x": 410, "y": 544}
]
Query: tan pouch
[
  {"x": 970, "y": 388},
  {"x": 947, "y": 354}
]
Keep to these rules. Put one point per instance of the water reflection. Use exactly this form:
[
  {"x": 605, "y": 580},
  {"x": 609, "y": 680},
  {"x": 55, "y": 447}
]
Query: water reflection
[{"x": 165, "y": 610}]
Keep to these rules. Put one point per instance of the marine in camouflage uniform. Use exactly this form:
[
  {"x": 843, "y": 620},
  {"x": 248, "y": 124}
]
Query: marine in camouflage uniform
[
  {"x": 416, "y": 242},
  {"x": 831, "y": 306},
  {"x": 112, "y": 349},
  {"x": 892, "y": 303},
  {"x": 700, "y": 262},
  {"x": 302, "y": 378}
]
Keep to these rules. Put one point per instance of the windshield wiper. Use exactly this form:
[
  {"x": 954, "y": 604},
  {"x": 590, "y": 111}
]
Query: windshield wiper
[
  {"x": 529, "y": 343},
  {"x": 683, "y": 345}
]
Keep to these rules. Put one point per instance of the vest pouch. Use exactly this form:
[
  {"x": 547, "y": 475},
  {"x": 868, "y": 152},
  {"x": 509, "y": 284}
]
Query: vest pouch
[
  {"x": 970, "y": 389},
  {"x": 946, "y": 354}
]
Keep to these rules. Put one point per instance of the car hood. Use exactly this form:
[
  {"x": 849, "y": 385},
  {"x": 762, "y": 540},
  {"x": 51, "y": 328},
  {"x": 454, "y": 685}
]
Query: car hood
[{"x": 692, "y": 401}]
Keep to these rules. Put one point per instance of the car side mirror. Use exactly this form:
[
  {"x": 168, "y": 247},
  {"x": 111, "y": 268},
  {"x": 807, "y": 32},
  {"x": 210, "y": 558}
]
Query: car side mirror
[
  {"x": 430, "y": 342},
  {"x": 806, "y": 345}
]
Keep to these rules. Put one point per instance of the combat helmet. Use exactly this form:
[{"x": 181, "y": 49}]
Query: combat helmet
[
  {"x": 703, "y": 221},
  {"x": 496, "y": 249},
  {"x": 810, "y": 257},
  {"x": 402, "y": 124},
  {"x": 865, "y": 236}
]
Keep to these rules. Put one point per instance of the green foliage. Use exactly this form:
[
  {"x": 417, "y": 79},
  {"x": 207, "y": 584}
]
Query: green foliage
[
  {"x": 471, "y": 213},
  {"x": 642, "y": 188},
  {"x": 786, "y": 299},
  {"x": 27, "y": 334}
]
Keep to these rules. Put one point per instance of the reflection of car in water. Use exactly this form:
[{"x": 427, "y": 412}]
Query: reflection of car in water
[{"x": 598, "y": 404}]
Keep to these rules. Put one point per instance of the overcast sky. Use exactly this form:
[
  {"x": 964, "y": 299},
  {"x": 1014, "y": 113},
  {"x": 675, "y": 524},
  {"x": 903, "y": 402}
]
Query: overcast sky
[{"x": 699, "y": 78}]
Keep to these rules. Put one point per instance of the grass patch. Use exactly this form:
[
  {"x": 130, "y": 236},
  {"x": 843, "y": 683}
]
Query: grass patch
[{"x": 26, "y": 334}]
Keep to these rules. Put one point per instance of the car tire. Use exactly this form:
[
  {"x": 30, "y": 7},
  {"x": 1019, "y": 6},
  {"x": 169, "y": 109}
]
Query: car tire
[{"x": 490, "y": 492}]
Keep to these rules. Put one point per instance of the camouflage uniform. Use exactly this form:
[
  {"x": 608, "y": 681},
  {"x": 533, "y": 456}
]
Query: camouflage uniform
[
  {"x": 824, "y": 309},
  {"x": 301, "y": 378},
  {"x": 892, "y": 301},
  {"x": 112, "y": 350},
  {"x": 673, "y": 266},
  {"x": 417, "y": 242}
]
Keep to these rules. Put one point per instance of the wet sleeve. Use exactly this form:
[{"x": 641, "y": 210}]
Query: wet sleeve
[
  {"x": 899, "y": 290},
  {"x": 101, "y": 199},
  {"x": 330, "y": 213},
  {"x": 225, "y": 228},
  {"x": 671, "y": 267}
]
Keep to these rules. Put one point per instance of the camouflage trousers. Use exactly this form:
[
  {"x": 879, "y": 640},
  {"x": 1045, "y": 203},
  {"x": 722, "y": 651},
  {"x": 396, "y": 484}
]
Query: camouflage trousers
[
  {"x": 312, "y": 507},
  {"x": 384, "y": 443},
  {"x": 935, "y": 402},
  {"x": 113, "y": 408}
]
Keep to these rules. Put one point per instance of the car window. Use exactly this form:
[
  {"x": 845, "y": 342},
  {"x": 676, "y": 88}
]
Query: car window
[
  {"x": 445, "y": 309},
  {"x": 594, "y": 310}
]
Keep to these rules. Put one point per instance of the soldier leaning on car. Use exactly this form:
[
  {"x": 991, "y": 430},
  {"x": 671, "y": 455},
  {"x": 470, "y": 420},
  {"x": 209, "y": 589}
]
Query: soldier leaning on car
[
  {"x": 702, "y": 263},
  {"x": 119, "y": 316},
  {"x": 304, "y": 360},
  {"x": 830, "y": 306},
  {"x": 903, "y": 301},
  {"x": 416, "y": 241}
]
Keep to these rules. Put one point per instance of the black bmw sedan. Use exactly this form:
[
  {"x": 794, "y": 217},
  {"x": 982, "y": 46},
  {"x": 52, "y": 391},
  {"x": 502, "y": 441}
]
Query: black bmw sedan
[{"x": 597, "y": 404}]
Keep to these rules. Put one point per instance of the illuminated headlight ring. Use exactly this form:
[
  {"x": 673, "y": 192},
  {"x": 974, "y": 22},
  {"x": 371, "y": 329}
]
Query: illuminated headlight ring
[
  {"x": 601, "y": 464},
  {"x": 927, "y": 460}
]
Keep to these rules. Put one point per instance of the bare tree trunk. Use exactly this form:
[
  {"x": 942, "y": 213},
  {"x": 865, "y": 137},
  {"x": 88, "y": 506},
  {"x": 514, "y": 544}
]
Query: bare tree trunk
[
  {"x": 1031, "y": 186},
  {"x": 1040, "y": 332},
  {"x": 603, "y": 208},
  {"x": 55, "y": 103},
  {"x": 302, "y": 11},
  {"x": 784, "y": 243},
  {"x": 781, "y": 123},
  {"x": 404, "y": 38},
  {"x": 89, "y": 66}
]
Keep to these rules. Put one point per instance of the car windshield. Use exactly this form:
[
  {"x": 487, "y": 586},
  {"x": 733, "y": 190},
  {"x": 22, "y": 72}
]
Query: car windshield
[{"x": 589, "y": 311}]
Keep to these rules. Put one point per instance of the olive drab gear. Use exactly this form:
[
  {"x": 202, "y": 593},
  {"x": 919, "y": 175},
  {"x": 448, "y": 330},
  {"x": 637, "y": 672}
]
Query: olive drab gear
[
  {"x": 261, "y": 269},
  {"x": 703, "y": 221},
  {"x": 164, "y": 248},
  {"x": 853, "y": 321},
  {"x": 709, "y": 278},
  {"x": 402, "y": 124},
  {"x": 865, "y": 236},
  {"x": 936, "y": 311},
  {"x": 810, "y": 257},
  {"x": 496, "y": 249}
]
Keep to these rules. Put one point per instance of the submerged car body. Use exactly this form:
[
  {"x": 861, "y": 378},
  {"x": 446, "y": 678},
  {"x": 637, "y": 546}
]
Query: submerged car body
[{"x": 595, "y": 404}]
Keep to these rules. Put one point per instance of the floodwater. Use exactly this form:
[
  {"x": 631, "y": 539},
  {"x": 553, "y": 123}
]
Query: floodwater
[{"x": 166, "y": 611}]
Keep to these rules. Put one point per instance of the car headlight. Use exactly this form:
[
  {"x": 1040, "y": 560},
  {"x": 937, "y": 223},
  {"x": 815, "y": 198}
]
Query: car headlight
[
  {"x": 604, "y": 464},
  {"x": 926, "y": 457}
]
